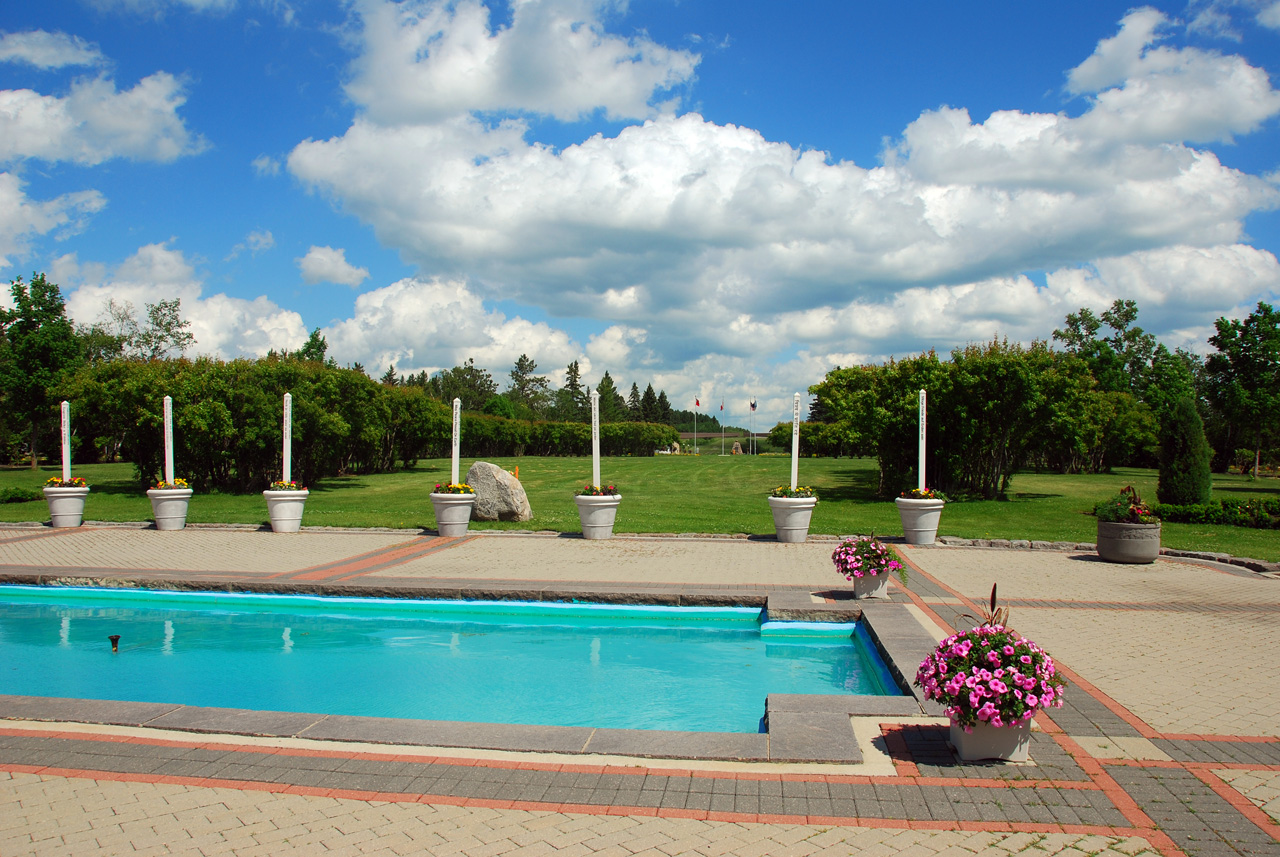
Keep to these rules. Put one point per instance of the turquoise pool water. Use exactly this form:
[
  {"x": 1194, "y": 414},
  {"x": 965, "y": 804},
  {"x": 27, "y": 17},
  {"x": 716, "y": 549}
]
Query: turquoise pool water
[{"x": 497, "y": 662}]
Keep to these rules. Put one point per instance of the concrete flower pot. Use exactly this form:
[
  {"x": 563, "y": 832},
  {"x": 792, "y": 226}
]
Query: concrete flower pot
[
  {"x": 1006, "y": 743},
  {"x": 791, "y": 516},
  {"x": 919, "y": 519},
  {"x": 285, "y": 509},
  {"x": 871, "y": 586},
  {"x": 66, "y": 505},
  {"x": 453, "y": 513},
  {"x": 597, "y": 514},
  {"x": 169, "y": 507},
  {"x": 1128, "y": 543}
]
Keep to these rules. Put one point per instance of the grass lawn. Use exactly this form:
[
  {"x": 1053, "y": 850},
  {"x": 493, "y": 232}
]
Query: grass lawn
[{"x": 682, "y": 494}]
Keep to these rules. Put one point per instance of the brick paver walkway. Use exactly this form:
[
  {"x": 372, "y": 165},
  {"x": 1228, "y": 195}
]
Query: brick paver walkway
[{"x": 1164, "y": 747}]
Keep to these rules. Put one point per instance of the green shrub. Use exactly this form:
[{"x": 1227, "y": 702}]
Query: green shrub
[
  {"x": 20, "y": 495},
  {"x": 1185, "y": 477}
]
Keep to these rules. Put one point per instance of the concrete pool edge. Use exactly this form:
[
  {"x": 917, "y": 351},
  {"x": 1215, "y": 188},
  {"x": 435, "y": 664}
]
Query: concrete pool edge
[{"x": 800, "y": 728}]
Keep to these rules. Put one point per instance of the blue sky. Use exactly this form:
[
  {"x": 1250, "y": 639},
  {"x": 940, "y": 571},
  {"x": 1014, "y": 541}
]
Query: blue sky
[{"x": 723, "y": 199}]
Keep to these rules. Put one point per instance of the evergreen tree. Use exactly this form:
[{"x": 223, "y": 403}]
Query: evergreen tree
[
  {"x": 388, "y": 378},
  {"x": 315, "y": 349},
  {"x": 570, "y": 402},
  {"x": 1184, "y": 457},
  {"x": 664, "y": 409},
  {"x": 649, "y": 411},
  {"x": 528, "y": 391},
  {"x": 634, "y": 413},
  {"x": 613, "y": 408}
]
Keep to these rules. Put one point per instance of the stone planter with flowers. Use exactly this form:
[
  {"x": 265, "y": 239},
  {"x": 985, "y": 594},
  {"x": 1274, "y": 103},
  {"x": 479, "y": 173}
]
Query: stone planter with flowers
[
  {"x": 1128, "y": 531},
  {"x": 169, "y": 501},
  {"x": 597, "y": 510},
  {"x": 868, "y": 562},
  {"x": 452, "y": 503},
  {"x": 792, "y": 510},
  {"x": 920, "y": 512},
  {"x": 285, "y": 504},
  {"x": 992, "y": 681},
  {"x": 66, "y": 500}
]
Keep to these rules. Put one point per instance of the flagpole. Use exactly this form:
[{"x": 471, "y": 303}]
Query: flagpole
[
  {"x": 695, "y": 426},
  {"x": 722, "y": 426}
]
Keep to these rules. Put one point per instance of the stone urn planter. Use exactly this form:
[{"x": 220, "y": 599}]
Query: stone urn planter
[
  {"x": 285, "y": 509},
  {"x": 453, "y": 513},
  {"x": 66, "y": 505},
  {"x": 169, "y": 507},
  {"x": 1128, "y": 543},
  {"x": 1008, "y": 743},
  {"x": 791, "y": 516},
  {"x": 871, "y": 586},
  {"x": 919, "y": 519},
  {"x": 597, "y": 512}
]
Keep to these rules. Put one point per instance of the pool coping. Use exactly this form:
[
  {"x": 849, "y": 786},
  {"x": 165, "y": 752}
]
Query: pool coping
[{"x": 798, "y": 727}]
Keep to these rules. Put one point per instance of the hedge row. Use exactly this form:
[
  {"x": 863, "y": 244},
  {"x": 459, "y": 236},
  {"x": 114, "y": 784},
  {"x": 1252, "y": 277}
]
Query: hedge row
[
  {"x": 1258, "y": 514},
  {"x": 227, "y": 422}
]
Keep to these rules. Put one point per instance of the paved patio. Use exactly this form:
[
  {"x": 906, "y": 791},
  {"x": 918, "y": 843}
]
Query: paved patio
[{"x": 1169, "y": 743}]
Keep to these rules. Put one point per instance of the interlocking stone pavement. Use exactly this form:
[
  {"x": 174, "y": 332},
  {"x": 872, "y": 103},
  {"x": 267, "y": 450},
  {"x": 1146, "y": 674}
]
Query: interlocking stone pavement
[
  {"x": 1202, "y": 663},
  {"x": 1168, "y": 743},
  {"x": 58, "y": 816}
]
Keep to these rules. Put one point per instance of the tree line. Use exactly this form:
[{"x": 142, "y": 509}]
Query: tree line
[
  {"x": 228, "y": 414},
  {"x": 1112, "y": 395}
]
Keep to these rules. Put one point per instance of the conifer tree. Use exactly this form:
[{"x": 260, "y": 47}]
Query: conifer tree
[{"x": 1185, "y": 477}]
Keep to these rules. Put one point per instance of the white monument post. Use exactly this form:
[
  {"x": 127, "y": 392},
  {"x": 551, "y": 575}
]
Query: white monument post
[
  {"x": 66, "y": 441},
  {"x": 287, "y": 476},
  {"x": 168, "y": 439},
  {"x": 920, "y": 468},
  {"x": 595, "y": 438},
  {"x": 795, "y": 440},
  {"x": 457, "y": 439}
]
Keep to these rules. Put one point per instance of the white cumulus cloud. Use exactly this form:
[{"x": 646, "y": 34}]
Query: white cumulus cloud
[
  {"x": 428, "y": 60},
  {"x": 96, "y": 122},
  {"x": 223, "y": 326},
  {"x": 23, "y": 219},
  {"x": 48, "y": 50},
  {"x": 327, "y": 265}
]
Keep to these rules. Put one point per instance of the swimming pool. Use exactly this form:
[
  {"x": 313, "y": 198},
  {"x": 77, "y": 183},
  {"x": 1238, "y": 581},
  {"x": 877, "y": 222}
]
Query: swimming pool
[{"x": 610, "y": 666}]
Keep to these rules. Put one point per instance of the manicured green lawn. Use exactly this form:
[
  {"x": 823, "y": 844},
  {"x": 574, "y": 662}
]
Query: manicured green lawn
[{"x": 683, "y": 494}]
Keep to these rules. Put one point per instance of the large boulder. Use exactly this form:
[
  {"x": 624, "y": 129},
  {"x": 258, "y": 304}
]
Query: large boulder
[{"x": 499, "y": 495}]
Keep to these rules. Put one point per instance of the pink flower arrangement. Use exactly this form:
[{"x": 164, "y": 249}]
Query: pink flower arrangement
[
  {"x": 990, "y": 674},
  {"x": 865, "y": 556}
]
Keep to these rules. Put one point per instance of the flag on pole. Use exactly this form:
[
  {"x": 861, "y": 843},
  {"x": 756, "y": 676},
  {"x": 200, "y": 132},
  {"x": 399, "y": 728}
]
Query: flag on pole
[
  {"x": 753, "y": 407},
  {"x": 696, "y": 403},
  {"x": 722, "y": 404}
]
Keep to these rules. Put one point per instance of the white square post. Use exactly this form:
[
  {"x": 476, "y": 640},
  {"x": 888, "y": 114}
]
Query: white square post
[
  {"x": 66, "y": 441},
  {"x": 168, "y": 439},
  {"x": 920, "y": 467},
  {"x": 595, "y": 438},
  {"x": 795, "y": 440},
  {"x": 457, "y": 440},
  {"x": 287, "y": 476}
]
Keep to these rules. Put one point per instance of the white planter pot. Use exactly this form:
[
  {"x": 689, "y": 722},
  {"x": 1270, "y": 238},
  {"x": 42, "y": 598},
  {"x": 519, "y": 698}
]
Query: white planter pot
[
  {"x": 871, "y": 586},
  {"x": 1128, "y": 543},
  {"x": 791, "y": 517},
  {"x": 66, "y": 505},
  {"x": 453, "y": 513},
  {"x": 285, "y": 509},
  {"x": 597, "y": 515},
  {"x": 1007, "y": 743},
  {"x": 919, "y": 519},
  {"x": 169, "y": 507}
]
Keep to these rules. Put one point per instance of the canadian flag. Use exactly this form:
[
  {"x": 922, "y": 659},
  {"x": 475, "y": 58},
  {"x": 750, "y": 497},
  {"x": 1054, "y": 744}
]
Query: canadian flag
[
  {"x": 722, "y": 404},
  {"x": 696, "y": 403}
]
